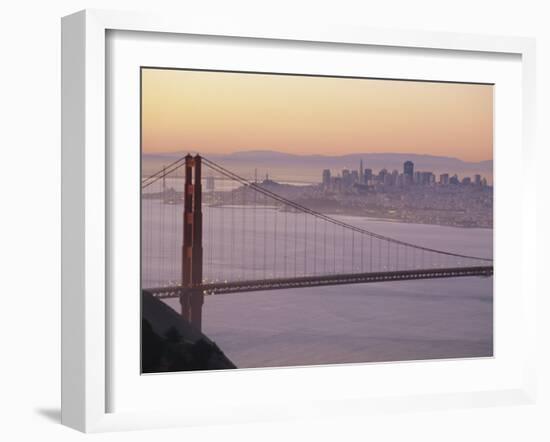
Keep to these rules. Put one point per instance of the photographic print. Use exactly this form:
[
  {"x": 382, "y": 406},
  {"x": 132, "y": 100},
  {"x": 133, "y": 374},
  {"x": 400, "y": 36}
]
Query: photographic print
[{"x": 298, "y": 220}]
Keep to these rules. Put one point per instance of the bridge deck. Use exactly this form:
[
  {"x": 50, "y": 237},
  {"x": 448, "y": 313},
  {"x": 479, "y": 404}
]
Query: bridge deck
[{"x": 318, "y": 281}]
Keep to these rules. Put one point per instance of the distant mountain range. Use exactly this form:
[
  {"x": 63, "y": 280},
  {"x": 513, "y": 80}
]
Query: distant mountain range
[{"x": 273, "y": 160}]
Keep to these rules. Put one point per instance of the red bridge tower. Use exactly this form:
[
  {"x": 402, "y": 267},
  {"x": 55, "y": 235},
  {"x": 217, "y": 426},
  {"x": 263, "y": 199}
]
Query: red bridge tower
[{"x": 192, "y": 299}]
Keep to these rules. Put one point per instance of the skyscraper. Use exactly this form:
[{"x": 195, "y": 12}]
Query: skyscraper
[
  {"x": 394, "y": 177},
  {"x": 326, "y": 178},
  {"x": 426, "y": 178},
  {"x": 367, "y": 176},
  {"x": 361, "y": 180},
  {"x": 382, "y": 176},
  {"x": 346, "y": 178},
  {"x": 408, "y": 168}
]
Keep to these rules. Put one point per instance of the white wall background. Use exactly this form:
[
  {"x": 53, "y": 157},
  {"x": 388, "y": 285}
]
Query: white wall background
[{"x": 30, "y": 215}]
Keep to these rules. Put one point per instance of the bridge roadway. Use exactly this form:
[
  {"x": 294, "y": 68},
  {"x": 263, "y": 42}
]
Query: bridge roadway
[{"x": 318, "y": 281}]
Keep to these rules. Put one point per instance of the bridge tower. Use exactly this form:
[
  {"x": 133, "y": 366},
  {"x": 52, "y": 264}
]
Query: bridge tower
[{"x": 192, "y": 298}]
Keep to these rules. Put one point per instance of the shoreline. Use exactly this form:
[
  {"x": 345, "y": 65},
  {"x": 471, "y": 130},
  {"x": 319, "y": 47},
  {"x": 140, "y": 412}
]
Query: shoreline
[{"x": 401, "y": 221}]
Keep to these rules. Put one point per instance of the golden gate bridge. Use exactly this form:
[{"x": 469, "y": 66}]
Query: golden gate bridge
[{"x": 247, "y": 237}]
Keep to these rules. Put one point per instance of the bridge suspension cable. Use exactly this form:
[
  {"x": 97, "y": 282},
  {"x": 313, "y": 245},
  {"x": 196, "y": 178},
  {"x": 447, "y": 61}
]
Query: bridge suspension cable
[
  {"x": 162, "y": 173},
  {"x": 327, "y": 218},
  {"x": 249, "y": 235}
]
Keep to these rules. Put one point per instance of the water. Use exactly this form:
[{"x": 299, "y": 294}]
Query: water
[
  {"x": 258, "y": 242},
  {"x": 389, "y": 321}
]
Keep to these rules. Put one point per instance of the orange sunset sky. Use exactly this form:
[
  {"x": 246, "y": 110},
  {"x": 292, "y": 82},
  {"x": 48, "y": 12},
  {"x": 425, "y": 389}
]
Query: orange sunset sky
[{"x": 218, "y": 112}]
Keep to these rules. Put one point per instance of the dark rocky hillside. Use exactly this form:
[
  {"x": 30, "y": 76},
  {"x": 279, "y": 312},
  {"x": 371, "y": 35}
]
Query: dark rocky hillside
[{"x": 169, "y": 343}]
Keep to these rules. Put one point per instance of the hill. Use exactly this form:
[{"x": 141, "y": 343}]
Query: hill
[
  {"x": 169, "y": 343},
  {"x": 310, "y": 166}
]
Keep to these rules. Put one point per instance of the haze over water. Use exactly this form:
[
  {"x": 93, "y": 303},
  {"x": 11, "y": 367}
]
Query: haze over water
[{"x": 390, "y": 321}]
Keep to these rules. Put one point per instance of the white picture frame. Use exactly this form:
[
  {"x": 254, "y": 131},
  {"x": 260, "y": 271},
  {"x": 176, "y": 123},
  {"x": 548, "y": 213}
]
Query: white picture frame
[{"x": 86, "y": 316}]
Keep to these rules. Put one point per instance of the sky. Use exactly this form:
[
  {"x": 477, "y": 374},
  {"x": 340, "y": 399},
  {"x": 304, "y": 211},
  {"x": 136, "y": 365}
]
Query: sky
[{"x": 222, "y": 112}]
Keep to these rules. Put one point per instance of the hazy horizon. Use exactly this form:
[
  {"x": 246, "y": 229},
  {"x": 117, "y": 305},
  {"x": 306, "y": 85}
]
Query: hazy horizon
[
  {"x": 223, "y": 112},
  {"x": 287, "y": 167},
  {"x": 336, "y": 155}
]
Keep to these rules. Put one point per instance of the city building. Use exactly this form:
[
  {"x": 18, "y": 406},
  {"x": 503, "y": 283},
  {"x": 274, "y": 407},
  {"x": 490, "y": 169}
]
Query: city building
[
  {"x": 401, "y": 180},
  {"x": 346, "y": 178},
  {"x": 408, "y": 169},
  {"x": 382, "y": 176},
  {"x": 426, "y": 178},
  {"x": 367, "y": 176},
  {"x": 361, "y": 181},
  {"x": 326, "y": 178},
  {"x": 337, "y": 184},
  {"x": 395, "y": 174}
]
